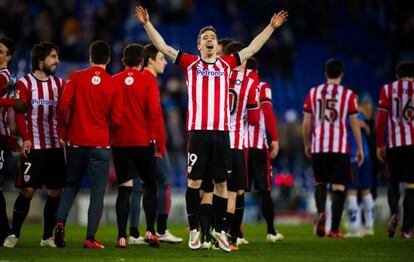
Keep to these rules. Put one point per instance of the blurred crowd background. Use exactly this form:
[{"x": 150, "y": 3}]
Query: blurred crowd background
[{"x": 369, "y": 36}]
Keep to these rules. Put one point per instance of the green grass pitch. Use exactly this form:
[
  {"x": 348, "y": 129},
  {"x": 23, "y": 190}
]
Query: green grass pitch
[{"x": 299, "y": 245}]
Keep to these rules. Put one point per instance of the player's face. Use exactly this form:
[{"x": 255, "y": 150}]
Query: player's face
[
  {"x": 4, "y": 57},
  {"x": 160, "y": 63},
  {"x": 51, "y": 61},
  {"x": 208, "y": 44}
]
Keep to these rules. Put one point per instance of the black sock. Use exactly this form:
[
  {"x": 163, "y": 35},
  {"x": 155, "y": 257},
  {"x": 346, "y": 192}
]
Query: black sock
[
  {"x": 228, "y": 221},
  {"x": 408, "y": 206},
  {"x": 192, "y": 199},
  {"x": 4, "y": 222},
  {"x": 122, "y": 209},
  {"x": 220, "y": 207},
  {"x": 206, "y": 212},
  {"x": 393, "y": 197},
  {"x": 149, "y": 202},
  {"x": 268, "y": 211},
  {"x": 162, "y": 223},
  {"x": 320, "y": 197},
  {"x": 338, "y": 201},
  {"x": 49, "y": 216},
  {"x": 235, "y": 230},
  {"x": 134, "y": 232},
  {"x": 20, "y": 211}
]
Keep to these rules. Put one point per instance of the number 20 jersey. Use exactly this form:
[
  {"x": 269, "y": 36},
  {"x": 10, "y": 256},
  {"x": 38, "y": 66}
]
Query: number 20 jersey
[
  {"x": 397, "y": 100},
  {"x": 330, "y": 106}
]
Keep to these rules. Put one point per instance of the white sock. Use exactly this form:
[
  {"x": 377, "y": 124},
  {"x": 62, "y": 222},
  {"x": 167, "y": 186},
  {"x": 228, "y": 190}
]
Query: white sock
[
  {"x": 368, "y": 208},
  {"x": 328, "y": 213},
  {"x": 353, "y": 214}
]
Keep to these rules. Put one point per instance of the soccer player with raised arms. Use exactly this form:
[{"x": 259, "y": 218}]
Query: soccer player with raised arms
[{"x": 207, "y": 78}]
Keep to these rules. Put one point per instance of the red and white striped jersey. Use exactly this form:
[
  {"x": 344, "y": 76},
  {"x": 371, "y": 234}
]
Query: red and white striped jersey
[
  {"x": 397, "y": 99},
  {"x": 330, "y": 106},
  {"x": 243, "y": 97},
  {"x": 4, "y": 80},
  {"x": 256, "y": 135},
  {"x": 208, "y": 90},
  {"x": 39, "y": 125}
]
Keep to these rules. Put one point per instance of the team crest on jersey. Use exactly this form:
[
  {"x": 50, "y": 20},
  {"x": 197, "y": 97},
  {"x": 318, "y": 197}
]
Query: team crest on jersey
[
  {"x": 96, "y": 80},
  {"x": 26, "y": 178},
  {"x": 189, "y": 168},
  {"x": 268, "y": 93},
  {"x": 129, "y": 80}
]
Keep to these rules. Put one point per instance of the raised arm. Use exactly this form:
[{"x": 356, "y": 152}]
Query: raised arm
[
  {"x": 143, "y": 17},
  {"x": 257, "y": 43}
]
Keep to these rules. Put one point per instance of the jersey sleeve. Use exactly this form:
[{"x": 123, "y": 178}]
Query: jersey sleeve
[
  {"x": 20, "y": 117},
  {"x": 64, "y": 104},
  {"x": 157, "y": 121},
  {"x": 383, "y": 103},
  {"x": 117, "y": 104},
  {"x": 233, "y": 60},
  {"x": 4, "y": 79},
  {"x": 353, "y": 104},
  {"x": 307, "y": 106},
  {"x": 265, "y": 95},
  {"x": 183, "y": 60},
  {"x": 252, "y": 96},
  {"x": 253, "y": 110}
]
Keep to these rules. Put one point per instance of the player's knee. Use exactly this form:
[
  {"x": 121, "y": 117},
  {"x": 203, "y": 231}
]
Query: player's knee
[
  {"x": 365, "y": 192},
  {"x": 28, "y": 192},
  {"x": 409, "y": 185},
  {"x": 240, "y": 192},
  {"x": 54, "y": 192},
  {"x": 195, "y": 184},
  {"x": 338, "y": 187},
  {"x": 351, "y": 192},
  {"x": 207, "y": 198}
]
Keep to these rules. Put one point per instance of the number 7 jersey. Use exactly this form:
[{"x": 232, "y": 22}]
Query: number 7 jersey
[{"x": 330, "y": 106}]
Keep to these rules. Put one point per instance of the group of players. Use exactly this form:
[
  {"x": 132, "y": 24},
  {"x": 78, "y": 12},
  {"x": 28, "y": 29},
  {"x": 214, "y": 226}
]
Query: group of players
[
  {"x": 332, "y": 149},
  {"x": 70, "y": 128},
  {"x": 65, "y": 132}
]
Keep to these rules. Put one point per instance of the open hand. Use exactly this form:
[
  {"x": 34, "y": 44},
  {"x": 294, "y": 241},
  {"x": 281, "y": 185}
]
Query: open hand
[
  {"x": 278, "y": 19},
  {"x": 142, "y": 15}
]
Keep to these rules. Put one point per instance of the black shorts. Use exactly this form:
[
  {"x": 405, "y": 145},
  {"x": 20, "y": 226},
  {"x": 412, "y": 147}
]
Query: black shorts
[
  {"x": 131, "y": 162},
  {"x": 209, "y": 155},
  {"x": 401, "y": 164},
  {"x": 332, "y": 168},
  {"x": 259, "y": 169},
  {"x": 237, "y": 180},
  {"x": 43, "y": 166}
]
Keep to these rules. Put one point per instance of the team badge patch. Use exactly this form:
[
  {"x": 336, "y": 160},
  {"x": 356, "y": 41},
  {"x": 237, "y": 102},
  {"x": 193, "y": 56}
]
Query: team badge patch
[
  {"x": 26, "y": 178},
  {"x": 129, "y": 81},
  {"x": 189, "y": 168},
  {"x": 96, "y": 80},
  {"x": 268, "y": 93}
]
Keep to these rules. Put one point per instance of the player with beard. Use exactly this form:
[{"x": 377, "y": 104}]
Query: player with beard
[
  {"x": 42, "y": 155},
  {"x": 208, "y": 116}
]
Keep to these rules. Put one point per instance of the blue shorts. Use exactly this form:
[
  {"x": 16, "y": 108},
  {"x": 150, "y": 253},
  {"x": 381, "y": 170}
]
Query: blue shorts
[{"x": 361, "y": 177}]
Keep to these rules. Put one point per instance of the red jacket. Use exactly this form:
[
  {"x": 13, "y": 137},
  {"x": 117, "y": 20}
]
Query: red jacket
[
  {"x": 90, "y": 100},
  {"x": 142, "y": 120}
]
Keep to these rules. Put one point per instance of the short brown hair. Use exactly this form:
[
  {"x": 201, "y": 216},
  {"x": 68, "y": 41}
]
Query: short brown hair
[
  {"x": 132, "y": 54},
  {"x": 205, "y": 29}
]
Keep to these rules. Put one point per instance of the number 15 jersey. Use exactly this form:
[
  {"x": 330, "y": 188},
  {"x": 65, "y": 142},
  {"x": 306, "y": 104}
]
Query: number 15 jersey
[{"x": 330, "y": 106}]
